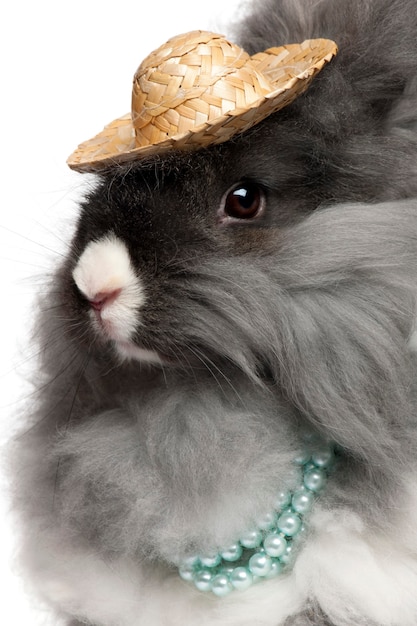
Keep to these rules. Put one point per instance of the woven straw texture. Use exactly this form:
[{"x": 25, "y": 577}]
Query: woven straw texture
[{"x": 199, "y": 89}]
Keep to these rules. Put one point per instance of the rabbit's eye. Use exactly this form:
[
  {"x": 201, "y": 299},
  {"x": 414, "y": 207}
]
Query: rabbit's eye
[{"x": 244, "y": 201}]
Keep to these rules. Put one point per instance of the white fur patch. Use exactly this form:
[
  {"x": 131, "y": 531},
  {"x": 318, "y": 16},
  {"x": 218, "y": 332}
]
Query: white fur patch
[
  {"x": 131, "y": 351},
  {"x": 121, "y": 593},
  {"x": 105, "y": 267},
  {"x": 359, "y": 576}
]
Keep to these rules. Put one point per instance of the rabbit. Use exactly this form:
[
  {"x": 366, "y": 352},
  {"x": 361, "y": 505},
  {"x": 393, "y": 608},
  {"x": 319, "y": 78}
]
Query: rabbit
[{"x": 216, "y": 311}]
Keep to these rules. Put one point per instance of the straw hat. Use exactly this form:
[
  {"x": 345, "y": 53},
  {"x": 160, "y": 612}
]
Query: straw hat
[{"x": 199, "y": 89}]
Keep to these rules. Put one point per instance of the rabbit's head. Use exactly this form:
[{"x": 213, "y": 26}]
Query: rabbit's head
[{"x": 228, "y": 258}]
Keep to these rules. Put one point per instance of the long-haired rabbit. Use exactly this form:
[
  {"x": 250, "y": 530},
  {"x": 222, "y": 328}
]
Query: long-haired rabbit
[{"x": 224, "y": 431}]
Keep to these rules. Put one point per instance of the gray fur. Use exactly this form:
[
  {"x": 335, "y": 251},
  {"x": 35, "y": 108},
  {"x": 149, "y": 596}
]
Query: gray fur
[
  {"x": 303, "y": 321},
  {"x": 310, "y": 617}
]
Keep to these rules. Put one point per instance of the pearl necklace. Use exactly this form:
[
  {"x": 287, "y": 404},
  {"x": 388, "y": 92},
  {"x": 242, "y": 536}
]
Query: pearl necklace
[{"x": 267, "y": 550}]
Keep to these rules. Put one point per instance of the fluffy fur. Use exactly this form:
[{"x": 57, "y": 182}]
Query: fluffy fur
[{"x": 301, "y": 317}]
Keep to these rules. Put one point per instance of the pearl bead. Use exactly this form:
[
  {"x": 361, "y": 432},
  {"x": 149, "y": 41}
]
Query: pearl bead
[
  {"x": 221, "y": 586},
  {"x": 232, "y": 553},
  {"x": 241, "y": 578},
  {"x": 302, "y": 501},
  {"x": 302, "y": 458},
  {"x": 289, "y": 523},
  {"x": 288, "y": 556},
  {"x": 251, "y": 539},
  {"x": 275, "y": 545},
  {"x": 211, "y": 560},
  {"x": 191, "y": 560},
  {"x": 260, "y": 564},
  {"x": 186, "y": 572},
  {"x": 276, "y": 569},
  {"x": 315, "y": 479},
  {"x": 323, "y": 458},
  {"x": 268, "y": 521},
  {"x": 203, "y": 579},
  {"x": 283, "y": 498}
]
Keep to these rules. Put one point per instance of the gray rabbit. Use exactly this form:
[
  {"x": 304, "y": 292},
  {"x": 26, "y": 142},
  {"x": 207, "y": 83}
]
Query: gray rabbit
[{"x": 224, "y": 429}]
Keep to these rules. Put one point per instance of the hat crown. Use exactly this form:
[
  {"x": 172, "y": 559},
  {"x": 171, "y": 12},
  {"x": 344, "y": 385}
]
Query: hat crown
[{"x": 189, "y": 81}]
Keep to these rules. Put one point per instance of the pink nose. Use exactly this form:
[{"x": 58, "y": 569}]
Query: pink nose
[{"x": 103, "y": 298}]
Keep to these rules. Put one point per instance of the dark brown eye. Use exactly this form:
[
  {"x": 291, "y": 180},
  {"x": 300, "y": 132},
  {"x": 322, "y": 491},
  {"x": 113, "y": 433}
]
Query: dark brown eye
[{"x": 244, "y": 201}]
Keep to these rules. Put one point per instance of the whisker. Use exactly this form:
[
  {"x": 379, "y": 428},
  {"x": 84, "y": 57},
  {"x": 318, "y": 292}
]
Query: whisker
[
  {"x": 41, "y": 245},
  {"x": 207, "y": 363},
  {"x": 51, "y": 232},
  {"x": 27, "y": 263},
  {"x": 53, "y": 307},
  {"x": 46, "y": 384},
  {"x": 77, "y": 387},
  {"x": 177, "y": 349},
  {"x": 70, "y": 388},
  {"x": 36, "y": 292},
  {"x": 39, "y": 422},
  {"x": 18, "y": 365},
  {"x": 106, "y": 372}
]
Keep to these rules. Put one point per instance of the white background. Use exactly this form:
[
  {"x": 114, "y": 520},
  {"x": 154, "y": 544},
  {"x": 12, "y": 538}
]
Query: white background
[{"x": 66, "y": 71}]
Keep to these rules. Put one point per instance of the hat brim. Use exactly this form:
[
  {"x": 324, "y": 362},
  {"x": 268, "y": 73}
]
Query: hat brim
[{"x": 117, "y": 143}]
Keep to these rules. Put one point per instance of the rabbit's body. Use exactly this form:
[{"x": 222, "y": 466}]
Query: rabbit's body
[{"x": 185, "y": 349}]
